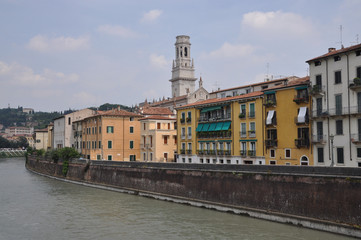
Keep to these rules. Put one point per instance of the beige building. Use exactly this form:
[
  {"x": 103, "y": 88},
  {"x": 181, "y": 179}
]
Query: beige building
[
  {"x": 158, "y": 139},
  {"x": 41, "y": 138},
  {"x": 111, "y": 135}
]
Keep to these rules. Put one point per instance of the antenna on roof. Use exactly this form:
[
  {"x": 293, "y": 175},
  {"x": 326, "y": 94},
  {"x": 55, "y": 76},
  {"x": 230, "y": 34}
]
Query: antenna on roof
[{"x": 340, "y": 36}]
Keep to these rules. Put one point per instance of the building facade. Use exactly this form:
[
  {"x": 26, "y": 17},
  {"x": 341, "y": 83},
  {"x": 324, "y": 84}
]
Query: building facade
[
  {"x": 336, "y": 109},
  {"x": 41, "y": 139},
  {"x": 111, "y": 135},
  {"x": 158, "y": 139}
]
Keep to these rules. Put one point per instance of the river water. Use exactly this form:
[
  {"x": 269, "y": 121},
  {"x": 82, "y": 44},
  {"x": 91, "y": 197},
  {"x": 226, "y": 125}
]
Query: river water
[{"x": 37, "y": 207}]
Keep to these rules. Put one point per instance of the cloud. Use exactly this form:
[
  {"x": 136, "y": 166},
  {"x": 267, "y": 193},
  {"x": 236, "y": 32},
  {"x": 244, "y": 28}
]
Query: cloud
[
  {"x": 278, "y": 23},
  {"x": 159, "y": 61},
  {"x": 84, "y": 98},
  {"x": 43, "y": 43},
  {"x": 231, "y": 51},
  {"x": 117, "y": 30},
  {"x": 151, "y": 16},
  {"x": 16, "y": 74}
]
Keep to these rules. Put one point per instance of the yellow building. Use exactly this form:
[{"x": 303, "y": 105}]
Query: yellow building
[
  {"x": 111, "y": 135},
  {"x": 287, "y": 127},
  {"x": 41, "y": 138},
  {"x": 158, "y": 139},
  {"x": 227, "y": 130}
]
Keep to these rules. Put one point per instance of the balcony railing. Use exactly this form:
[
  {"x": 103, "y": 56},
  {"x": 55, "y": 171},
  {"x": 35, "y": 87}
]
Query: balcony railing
[
  {"x": 355, "y": 110},
  {"x": 189, "y": 120},
  {"x": 317, "y": 90},
  {"x": 338, "y": 111},
  {"x": 242, "y": 115},
  {"x": 271, "y": 143},
  {"x": 207, "y": 135},
  {"x": 302, "y": 142},
  {"x": 218, "y": 118},
  {"x": 356, "y": 138},
  {"x": 243, "y": 134},
  {"x": 307, "y": 121},
  {"x": 270, "y": 103},
  {"x": 182, "y": 151},
  {"x": 182, "y": 120},
  {"x": 300, "y": 99},
  {"x": 251, "y": 133},
  {"x": 273, "y": 122},
  {"x": 251, "y": 153},
  {"x": 319, "y": 139},
  {"x": 214, "y": 152},
  {"x": 183, "y": 136},
  {"x": 320, "y": 113},
  {"x": 252, "y": 114},
  {"x": 243, "y": 153},
  {"x": 189, "y": 151},
  {"x": 356, "y": 85},
  {"x": 189, "y": 136}
]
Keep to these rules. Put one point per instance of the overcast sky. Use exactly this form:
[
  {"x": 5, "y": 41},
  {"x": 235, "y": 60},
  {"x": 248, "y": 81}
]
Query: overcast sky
[{"x": 56, "y": 55}]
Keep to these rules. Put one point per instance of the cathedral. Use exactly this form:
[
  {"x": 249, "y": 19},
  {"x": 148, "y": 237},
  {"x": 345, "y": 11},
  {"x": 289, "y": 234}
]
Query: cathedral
[{"x": 183, "y": 89}]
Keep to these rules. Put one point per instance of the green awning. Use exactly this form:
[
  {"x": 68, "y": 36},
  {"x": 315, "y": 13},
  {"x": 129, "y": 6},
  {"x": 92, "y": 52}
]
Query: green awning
[
  {"x": 301, "y": 87},
  {"x": 219, "y": 126},
  {"x": 270, "y": 92},
  {"x": 205, "y": 127},
  {"x": 226, "y": 126},
  {"x": 212, "y": 127},
  {"x": 199, "y": 128},
  {"x": 224, "y": 140},
  {"x": 208, "y": 109},
  {"x": 248, "y": 140}
]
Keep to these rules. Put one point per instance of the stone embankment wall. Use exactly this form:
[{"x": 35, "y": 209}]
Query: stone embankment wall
[{"x": 321, "y": 198}]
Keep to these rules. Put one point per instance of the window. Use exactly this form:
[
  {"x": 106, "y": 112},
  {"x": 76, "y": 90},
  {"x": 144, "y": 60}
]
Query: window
[
  {"x": 144, "y": 126},
  {"x": 110, "y": 129},
  {"x": 251, "y": 110},
  {"x": 242, "y": 111},
  {"x": 131, "y": 119},
  {"x": 252, "y": 129},
  {"x": 110, "y": 144},
  {"x": 264, "y": 87},
  {"x": 189, "y": 118},
  {"x": 234, "y": 93},
  {"x": 358, "y": 72},
  {"x": 272, "y": 153},
  {"x": 98, "y": 157},
  {"x": 287, "y": 153},
  {"x": 158, "y": 125},
  {"x": 165, "y": 138},
  {"x": 183, "y": 116},
  {"x": 183, "y": 132},
  {"x": 358, "y": 53},
  {"x": 110, "y": 157},
  {"x": 131, "y": 144},
  {"x": 339, "y": 127},
  {"x": 337, "y": 77},
  {"x": 272, "y": 162},
  {"x": 337, "y": 58},
  {"x": 100, "y": 144},
  {"x": 131, "y": 129},
  {"x": 69, "y": 120},
  {"x": 100, "y": 129},
  {"x": 151, "y": 157},
  {"x": 168, "y": 125},
  {"x": 95, "y": 144},
  {"x": 243, "y": 130},
  {"x": 320, "y": 155},
  {"x": 175, "y": 139},
  {"x": 189, "y": 132},
  {"x": 317, "y": 63},
  {"x": 223, "y": 95},
  {"x": 132, "y": 157},
  {"x": 338, "y": 100},
  {"x": 340, "y": 159},
  {"x": 359, "y": 152},
  {"x": 92, "y": 130}
]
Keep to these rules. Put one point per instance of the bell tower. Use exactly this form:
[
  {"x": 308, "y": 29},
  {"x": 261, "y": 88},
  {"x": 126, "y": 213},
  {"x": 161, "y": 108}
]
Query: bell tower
[{"x": 183, "y": 80}]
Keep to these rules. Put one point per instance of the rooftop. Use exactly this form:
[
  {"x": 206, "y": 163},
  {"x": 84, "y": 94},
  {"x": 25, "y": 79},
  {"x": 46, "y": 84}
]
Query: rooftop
[{"x": 333, "y": 51}]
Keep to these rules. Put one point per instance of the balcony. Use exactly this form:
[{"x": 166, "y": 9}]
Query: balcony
[
  {"x": 182, "y": 120},
  {"x": 270, "y": 103},
  {"x": 317, "y": 90},
  {"x": 189, "y": 120},
  {"x": 272, "y": 123},
  {"x": 243, "y": 134},
  {"x": 208, "y": 135},
  {"x": 338, "y": 111},
  {"x": 355, "y": 110},
  {"x": 306, "y": 122},
  {"x": 218, "y": 118},
  {"x": 320, "y": 113},
  {"x": 252, "y": 114},
  {"x": 320, "y": 139},
  {"x": 301, "y": 99},
  {"x": 183, "y": 136},
  {"x": 356, "y": 138},
  {"x": 189, "y": 151},
  {"x": 356, "y": 85},
  {"x": 243, "y": 153},
  {"x": 223, "y": 152},
  {"x": 189, "y": 136},
  {"x": 182, "y": 151},
  {"x": 252, "y": 133},
  {"x": 242, "y": 115},
  {"x": 271, "y": 143},
  {"x": 302, "y": 142},
  {"x": 251, "y": 153}
]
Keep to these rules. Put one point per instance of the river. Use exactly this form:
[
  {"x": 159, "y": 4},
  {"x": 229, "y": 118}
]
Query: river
[{"x": 37, "y": 207}]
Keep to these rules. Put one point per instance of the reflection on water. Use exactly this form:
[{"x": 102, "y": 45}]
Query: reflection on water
[{"x": 36, "y": 207}]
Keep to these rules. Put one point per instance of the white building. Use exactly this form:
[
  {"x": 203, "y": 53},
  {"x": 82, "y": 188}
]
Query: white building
[
  {"x": 13, "y": 131},
  {"x": 336, "y": 90},
  {"x": 63, "y": 128}
]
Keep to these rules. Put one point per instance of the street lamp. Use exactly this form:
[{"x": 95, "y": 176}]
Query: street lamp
[{"x": 331, "y": 137}]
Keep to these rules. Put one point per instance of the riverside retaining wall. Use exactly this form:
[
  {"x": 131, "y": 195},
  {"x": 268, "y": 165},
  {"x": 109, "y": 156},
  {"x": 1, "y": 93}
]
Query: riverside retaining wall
[{"x": 322, "y": 198}]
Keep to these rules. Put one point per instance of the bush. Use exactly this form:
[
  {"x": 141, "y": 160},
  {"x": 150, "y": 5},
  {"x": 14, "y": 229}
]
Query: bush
[{"x": 68, "y": 153}]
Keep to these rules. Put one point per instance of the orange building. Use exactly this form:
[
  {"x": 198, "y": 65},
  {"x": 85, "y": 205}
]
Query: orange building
[{"x": 111, "y": 135}]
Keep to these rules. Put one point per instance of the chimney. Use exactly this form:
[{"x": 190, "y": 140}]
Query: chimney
[{"x": 331, "y": 49}]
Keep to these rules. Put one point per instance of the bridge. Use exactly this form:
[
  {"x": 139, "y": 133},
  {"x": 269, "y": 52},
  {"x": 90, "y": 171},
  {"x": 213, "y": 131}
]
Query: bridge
[{"x": 11, "y": 152}]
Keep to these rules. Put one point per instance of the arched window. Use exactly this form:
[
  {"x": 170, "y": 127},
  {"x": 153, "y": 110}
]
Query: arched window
[
  {"x": 185, "y": 51},
  {"x": 304, "y": 161}
]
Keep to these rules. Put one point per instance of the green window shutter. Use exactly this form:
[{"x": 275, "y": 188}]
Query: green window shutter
[
  {"x": 131, "y": 144},
  {"x": 131, "y": 129},
  {"x": 109, "y": 144}
]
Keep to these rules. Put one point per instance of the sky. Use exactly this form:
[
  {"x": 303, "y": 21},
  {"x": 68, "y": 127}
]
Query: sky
[{"x": 73, "y": 54}]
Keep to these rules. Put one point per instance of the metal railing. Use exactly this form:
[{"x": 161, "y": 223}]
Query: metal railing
[
  {"x": 222, "y": 117},
  {"x": 319, "y": 138},
  {"x": 301, "y": 99},
  {"x": 251, "y": 133},
  {"x": 302, "y": 142},
  {"x": 207, "y": 135},
  {"x": 271, "y": 143},
  {"x": 307, "y": 120},
  {"x": 356, "y": 138},
  {"x": 317, "y": 89},
  {"x": 243, "y": 134}
]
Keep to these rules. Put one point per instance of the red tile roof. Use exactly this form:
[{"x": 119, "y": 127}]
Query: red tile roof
[
  {"x": 336, "y": 52},
  {"x": 41, "y": 130},
  {"x": 117, "y": 112},
  {"x": 157, "y": 118},
  {"x": 295, "y": 82},
  {"x": 219, "y": 100},
  {"x": 156, "y": 111}
]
